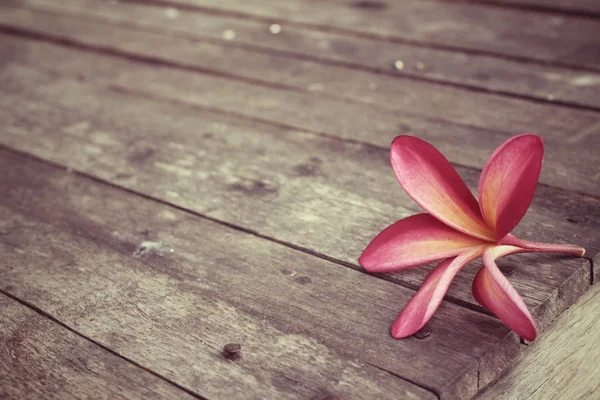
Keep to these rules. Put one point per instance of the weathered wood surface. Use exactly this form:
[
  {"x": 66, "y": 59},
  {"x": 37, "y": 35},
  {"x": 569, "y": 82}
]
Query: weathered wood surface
[
  {"x": 562, "y": 40},
  {"x": 39, "y": 359},
  {"x": 185, "y": 153},
  {"x": 169, "y": 289},
  {"x": 227, "y": 187},
  {"x": 562, "y": 364},
  {"x": 571, "y": 135},
  {"x": 301, "y": 47}
]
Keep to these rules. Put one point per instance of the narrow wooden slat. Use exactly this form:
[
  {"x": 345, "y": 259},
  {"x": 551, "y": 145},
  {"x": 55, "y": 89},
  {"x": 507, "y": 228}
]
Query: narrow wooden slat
[
  {"x": 241, "y": 172},
  {"x": 559, "y": 365},
  {"x": 168, "y": 290},
  {"x": 41, "y": 359},
  {"x": 571, "y": 134},
  {"x": 536, "y": 81},
  {"x": 478, "y": 28}
]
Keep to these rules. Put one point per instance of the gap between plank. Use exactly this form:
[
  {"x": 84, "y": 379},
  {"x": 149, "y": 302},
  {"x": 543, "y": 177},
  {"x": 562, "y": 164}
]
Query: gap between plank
[
  {"x": 536, "y": 8},
  {"x": 350, "y": 32},
  {"x": 81, "y": 335},
  {"x": 277, "y": 52},
  {"x": 591, "y": 261}
]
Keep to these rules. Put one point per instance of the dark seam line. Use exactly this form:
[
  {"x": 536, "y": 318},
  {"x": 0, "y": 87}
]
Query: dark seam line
[
  {"x": 479, "y": 374},
  {"x": 423, "y": 386},
  {"x": 152, "y": 61},
  {"x": 591, "y": 261},
  {"x": 368, "y": 35},
  {"x": 536, "y": 8},
  {"x": 230, "y": 225},
  {"x": 111, "y": 50},
  {"x": 81, "y": 335}
]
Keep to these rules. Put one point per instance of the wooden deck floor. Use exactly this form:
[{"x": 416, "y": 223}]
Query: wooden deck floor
[{"x": 179, "y": 175}]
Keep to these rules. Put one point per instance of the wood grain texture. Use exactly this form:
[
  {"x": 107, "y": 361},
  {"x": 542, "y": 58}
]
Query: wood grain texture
[
  {"x": 307, "y": 326},
  {"x": 561, "y": 364},
  {"x": 473, "y": 27},
  {"x": 330, "y": 197},
  {"x": 570, "y": 135},
  {"x": 297, "y": 51},
  {"x": 41, "y": 359},
  {"x": 286, "y": 204}
]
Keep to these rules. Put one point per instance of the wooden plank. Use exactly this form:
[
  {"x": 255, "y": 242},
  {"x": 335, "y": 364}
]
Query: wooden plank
[
  {"x": 559, "y": 365},
  {"x": 569, "y": 165},
  {"x": 564, "y": 40},
  {"x": 41, "y": 359},
  {"x": 168, "y": 289},
  {"x": 306, "y": 46},
  {"x": 331, "y": 197}
]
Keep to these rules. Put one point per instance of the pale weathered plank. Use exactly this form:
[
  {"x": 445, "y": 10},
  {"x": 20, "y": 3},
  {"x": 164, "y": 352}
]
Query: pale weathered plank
[
  {"x": 330, "y": 197},
  {"x": 563, "y": 363},
  {"x": 467, "y": 140},
  {"x": 564, "y": 40},
  {"x": 39, "y": 359},
  {"x": 302, "y": 48},
  {"x": 168, "y": 290}
]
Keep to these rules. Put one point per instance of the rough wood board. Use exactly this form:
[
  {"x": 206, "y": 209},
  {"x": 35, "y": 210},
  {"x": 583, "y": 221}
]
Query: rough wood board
[
  {"x": 568, "y": 166},
  {"x": 562, "y": 364},
  {"x": 307, "y": 326},
  {"x": 41, "y": 359},
  {"x": 564, "y": 40},
  {"x": 328, "y": 197},
  {"x": 301, "y": 48}
]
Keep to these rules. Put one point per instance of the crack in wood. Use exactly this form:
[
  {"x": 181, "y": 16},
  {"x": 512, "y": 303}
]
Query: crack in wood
[{"x": 426, "y": 387}]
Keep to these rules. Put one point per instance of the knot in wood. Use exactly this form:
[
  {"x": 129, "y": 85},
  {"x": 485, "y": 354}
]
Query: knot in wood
[{"x": 232, "y": 351}]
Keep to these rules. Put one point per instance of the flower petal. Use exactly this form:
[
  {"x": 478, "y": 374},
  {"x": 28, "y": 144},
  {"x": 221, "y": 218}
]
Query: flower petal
[
  {"x": 431, "y": 181},
  {"x": 492, "y": 290},
  {"x": 429, "y": 297},
  {"x": 412, "y": 241},
  {"x": 508, "y": 181}
]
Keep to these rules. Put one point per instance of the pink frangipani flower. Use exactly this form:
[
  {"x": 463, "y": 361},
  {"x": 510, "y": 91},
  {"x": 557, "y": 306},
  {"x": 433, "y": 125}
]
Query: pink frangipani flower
[{"x": 457, "y": 229}]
